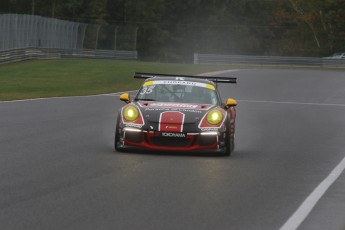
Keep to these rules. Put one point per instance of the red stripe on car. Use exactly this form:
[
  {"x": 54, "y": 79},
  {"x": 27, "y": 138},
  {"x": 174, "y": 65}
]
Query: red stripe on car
[{"x": 171, "y": 121}]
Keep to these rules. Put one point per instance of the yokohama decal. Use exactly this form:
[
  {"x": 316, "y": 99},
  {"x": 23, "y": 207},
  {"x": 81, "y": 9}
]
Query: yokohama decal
[{"x": 171, "y": 122}]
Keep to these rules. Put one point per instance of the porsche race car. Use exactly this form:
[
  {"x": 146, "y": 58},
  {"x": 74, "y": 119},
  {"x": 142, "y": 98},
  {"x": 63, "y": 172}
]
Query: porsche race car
[{"x": 177, "y": 113}]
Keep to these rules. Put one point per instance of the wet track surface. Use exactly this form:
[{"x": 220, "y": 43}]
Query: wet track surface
[{"x": 58, "y": 169}]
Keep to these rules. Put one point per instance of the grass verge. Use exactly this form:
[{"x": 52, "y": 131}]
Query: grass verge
[
  {"x": 55, "y": 78},
  {"x": 58, "y": 78}
]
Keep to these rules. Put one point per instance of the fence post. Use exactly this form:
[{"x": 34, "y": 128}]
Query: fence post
[
  {"x": 196, "y": 61},
  {"x": 115, "y": 38},
  {"x": 96, "y": 43},
  {"x": 135, "y": 38}
]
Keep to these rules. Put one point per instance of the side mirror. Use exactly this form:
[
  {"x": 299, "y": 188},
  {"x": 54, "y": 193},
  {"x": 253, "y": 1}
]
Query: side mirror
[
  {"x": 125, "y": 97},
  {"x": 231, "y": 102}
]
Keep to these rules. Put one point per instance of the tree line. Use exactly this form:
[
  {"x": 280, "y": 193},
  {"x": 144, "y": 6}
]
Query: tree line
[{"x": 172, "y": 30}]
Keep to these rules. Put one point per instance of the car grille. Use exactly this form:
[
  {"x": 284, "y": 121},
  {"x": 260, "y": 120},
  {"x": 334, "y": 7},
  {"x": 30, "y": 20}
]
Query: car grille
[
  {"x": 170, "y": 141},
  {"x": 134, "y": 137},
  {"x": 207, "y": 140}
]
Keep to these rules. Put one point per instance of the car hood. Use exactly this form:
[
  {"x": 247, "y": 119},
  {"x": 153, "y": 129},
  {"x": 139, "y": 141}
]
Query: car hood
[{"x": 192, "y": 113}]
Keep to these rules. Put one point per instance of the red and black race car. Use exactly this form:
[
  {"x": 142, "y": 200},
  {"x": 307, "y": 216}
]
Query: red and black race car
[{"x": 177, "y": 113}]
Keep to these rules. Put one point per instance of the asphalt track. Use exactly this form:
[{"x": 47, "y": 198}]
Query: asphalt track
[{"x": 58, "y": 169}]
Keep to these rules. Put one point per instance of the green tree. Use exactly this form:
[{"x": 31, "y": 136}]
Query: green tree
[
  {"x": 315, "y": 26},
  {"x": 172, "y": 30}
]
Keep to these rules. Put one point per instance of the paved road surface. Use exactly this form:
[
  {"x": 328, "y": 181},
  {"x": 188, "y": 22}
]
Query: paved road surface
[{"x": 58, "y": 169}]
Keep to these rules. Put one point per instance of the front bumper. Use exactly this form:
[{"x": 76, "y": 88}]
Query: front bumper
[{"x": 155, "y": 140}]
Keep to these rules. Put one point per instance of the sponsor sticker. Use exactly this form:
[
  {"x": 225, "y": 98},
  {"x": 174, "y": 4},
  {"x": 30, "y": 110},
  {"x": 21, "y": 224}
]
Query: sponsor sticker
[
  {"x": 179, "y": 82},
  {"x": 133, "y": 125},
  {"x": 180, "y": 135},
  {"x": 171, "y": 121},
  {"x": 179, "y": 105}
]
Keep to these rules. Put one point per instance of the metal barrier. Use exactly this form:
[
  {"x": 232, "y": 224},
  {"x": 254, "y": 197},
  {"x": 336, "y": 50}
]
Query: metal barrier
[
  {"x": 24, "y": 37},
  {"x": 266, "y": 60},
  {"x": 35, "y": 53},
  {"x": 18, "y": 31}
]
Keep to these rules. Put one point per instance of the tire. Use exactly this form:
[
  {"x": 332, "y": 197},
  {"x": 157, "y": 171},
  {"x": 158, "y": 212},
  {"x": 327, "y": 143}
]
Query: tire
[
  {"x": 232, "y": 144},
  {"x": 117, "y": 144},
  {"x": 229, "y": 143}
]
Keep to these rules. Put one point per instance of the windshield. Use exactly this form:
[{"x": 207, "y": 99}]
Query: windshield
[{"x": 187, "y": 93}]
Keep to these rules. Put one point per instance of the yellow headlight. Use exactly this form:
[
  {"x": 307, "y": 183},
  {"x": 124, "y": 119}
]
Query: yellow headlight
[
  {"x": 131, "y": 113},
  {"x": 214, "y": 117}
]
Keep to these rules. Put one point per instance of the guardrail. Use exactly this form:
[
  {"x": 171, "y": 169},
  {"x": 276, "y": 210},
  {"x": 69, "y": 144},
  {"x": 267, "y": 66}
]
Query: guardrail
[
  {"x": 267, "y": 60},
  {"x": 46, "y": 53}
]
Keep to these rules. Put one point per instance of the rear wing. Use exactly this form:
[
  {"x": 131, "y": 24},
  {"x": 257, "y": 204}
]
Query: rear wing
[{"x": 232, "y": 80}]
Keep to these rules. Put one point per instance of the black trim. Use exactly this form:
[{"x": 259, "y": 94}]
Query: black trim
[{"x": 232, "y": 80}]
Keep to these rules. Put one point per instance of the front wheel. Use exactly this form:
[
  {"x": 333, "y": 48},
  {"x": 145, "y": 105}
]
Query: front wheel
[
  {"x": 229, "y": 144},
  {"x": 118, "y": 146},
  {"x": 227, "y": 149}
]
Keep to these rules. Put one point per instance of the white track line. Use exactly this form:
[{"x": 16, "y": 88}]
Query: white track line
[
  {"x": 133, "y": 91},
  {"x": 309, "y": 203},
  {"x": 292, "y": 103},
  {"x": 50, "y": 98},
  {"x": 219, "y": 72}
]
